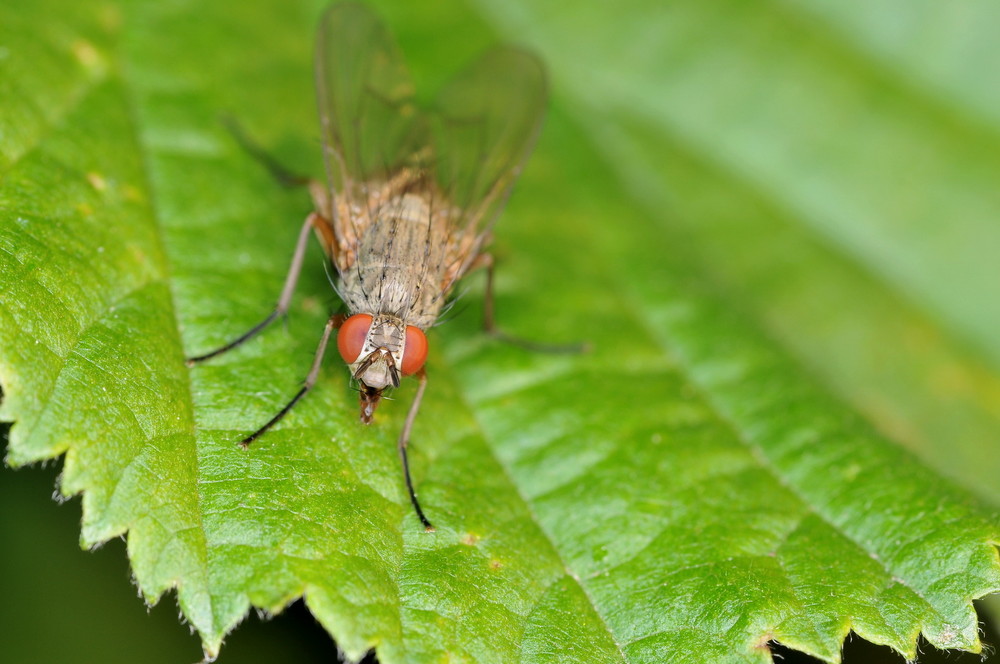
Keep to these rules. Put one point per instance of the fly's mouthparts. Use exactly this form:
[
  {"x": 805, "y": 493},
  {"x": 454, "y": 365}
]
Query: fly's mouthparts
[{"x": 369, "y": 402}]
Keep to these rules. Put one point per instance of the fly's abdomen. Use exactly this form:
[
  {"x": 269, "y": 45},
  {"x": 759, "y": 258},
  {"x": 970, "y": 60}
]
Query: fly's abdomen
[{"x": 400, "y": 264}]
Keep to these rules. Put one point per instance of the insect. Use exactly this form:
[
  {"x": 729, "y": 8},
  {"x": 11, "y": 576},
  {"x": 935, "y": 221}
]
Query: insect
[{"x": 409, "y": 202}]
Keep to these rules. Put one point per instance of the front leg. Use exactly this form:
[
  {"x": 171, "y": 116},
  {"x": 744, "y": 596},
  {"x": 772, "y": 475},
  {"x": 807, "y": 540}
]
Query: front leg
[
  {"x": 313, "y": 221},
  {"x": 334, "y": 323},
  {"x": 404, "y": 441}
]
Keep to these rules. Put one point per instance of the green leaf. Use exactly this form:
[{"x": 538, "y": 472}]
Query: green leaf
[
  {"x": 691, "y": 490},
  {"x": 831, "y": 164}
]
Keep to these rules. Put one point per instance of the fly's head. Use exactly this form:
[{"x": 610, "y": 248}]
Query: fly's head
[{"x": 379, "y": 350}]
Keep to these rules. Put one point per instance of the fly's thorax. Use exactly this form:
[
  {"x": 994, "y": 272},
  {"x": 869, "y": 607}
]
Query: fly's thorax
[
  {"x": 400, "y": 262},
  {"x": 380, "y": 362},
  {"x": 410, "y": 208}
]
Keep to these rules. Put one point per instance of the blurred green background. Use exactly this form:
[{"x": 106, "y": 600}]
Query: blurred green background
[{"x": 832, "y": 166}]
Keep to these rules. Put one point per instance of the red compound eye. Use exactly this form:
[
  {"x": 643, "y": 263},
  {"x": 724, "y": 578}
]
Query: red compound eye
[
  {"x": 415, "y": 352},
  {"x": 351, "y": 336}
]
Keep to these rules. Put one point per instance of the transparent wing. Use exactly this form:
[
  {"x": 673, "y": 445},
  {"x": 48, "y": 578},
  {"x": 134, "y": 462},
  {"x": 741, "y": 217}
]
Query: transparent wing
[
  {"x": 369, "y": 122},
  {"x": 485, "y": 125}
]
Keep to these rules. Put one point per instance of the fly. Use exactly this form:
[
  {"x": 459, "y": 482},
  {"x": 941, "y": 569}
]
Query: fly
[{"x": 409, "y": 201}]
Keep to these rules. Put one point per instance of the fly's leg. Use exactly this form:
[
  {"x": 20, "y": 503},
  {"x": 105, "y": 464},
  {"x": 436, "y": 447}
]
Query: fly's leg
[
  {"x": 489, "y": 322},
  {"x": 404, "y": 439},
  {"x": 317, "y": 220},
  {"x": 284, "y": 176},
  {"x": 312, "y": 221},
  {"x": 334, "y": 323}
]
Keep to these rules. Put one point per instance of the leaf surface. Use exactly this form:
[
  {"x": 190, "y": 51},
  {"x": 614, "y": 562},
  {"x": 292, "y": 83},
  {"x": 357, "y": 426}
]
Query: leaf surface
[{"x": 685, "y": 492}]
